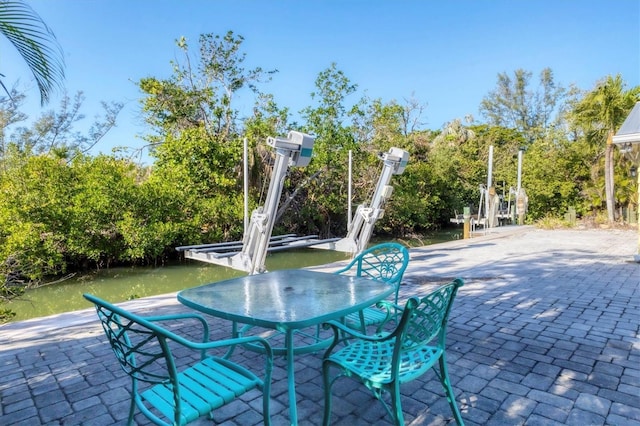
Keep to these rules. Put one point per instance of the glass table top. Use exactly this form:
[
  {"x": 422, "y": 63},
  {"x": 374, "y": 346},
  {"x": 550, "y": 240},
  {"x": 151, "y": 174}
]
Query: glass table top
[{"x": 293, "y": 298}]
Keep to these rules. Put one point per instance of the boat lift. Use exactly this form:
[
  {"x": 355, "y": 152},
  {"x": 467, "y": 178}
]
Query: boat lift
[
  {"x": 491, "y": 212},
  {"x": 359, "y": 233},
  {"x": 295, "y": 150},
  {"x": 249, "y": 255}
]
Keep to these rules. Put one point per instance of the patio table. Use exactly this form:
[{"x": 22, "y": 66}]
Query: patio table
[{"x": 286, "y": 301}]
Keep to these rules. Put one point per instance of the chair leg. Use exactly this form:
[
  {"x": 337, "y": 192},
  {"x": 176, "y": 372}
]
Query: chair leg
[
  {"x": 446, "y": 384},
  {"x": 396, "y": 403},
  {"x": 327, "y": 383},
  {"x": 363, "y": 326},
  {"x": 266, "y": 401},
  {"x": 132, "y": 410}
]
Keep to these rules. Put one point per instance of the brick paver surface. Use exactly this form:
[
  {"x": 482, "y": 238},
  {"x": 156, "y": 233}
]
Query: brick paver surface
[{"x": 544, "y": 332}]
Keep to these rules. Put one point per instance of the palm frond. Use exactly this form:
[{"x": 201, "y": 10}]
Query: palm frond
[{"x": 35, "y": 42}]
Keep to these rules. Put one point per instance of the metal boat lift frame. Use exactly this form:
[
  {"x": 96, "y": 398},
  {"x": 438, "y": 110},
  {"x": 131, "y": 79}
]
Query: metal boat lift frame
[
  {"x": 361, "y": 229},
  {"x": 249, "y": 255}
]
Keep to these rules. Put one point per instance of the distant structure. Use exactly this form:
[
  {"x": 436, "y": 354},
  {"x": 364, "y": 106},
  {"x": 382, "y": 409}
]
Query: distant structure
[{"x": 491, "y": 208}]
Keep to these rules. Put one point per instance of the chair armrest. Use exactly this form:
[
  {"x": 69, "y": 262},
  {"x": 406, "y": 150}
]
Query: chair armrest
[
  {"x": 342, "y": 333},
  {"x": 234, "y": 342},
  {"x": 389, "y": 306},
  {"x": 392, "y": 312},
  {"x": 205, "y": 344},
  {"x": 203, "y": 347},
  {"x": 173, "y": 317}
]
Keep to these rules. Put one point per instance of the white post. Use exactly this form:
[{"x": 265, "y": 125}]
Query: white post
[
  {"x": 519, "y": 170},
  {"x": 245, "y": 159},
  {"x": 349, "y": 193},
  {"x": 489, "y": 183},
  {"x": 490, "y": 166}
]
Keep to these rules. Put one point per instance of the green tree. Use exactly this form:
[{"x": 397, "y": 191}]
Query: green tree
[
  {"x": 197, "y": 134},
  {"x": 104, "y": 192},
  {"x": 506, "y": 144},
  {"x": 328, "y": 120},
  {"x": 598, "y": 115},
  {"x": 35, "y": 42},
  {"x": 416, "y": 204},
  {"x": 554, "y": 174},
  {"x": 268, "y": 119},
  {"x": 54, "y": 131},
  {"x": 10, "y": 114},
  {"x": 458, "y": 164},
  {"x": 201, "y": 91},
  {"x": 516, "y": 105}
]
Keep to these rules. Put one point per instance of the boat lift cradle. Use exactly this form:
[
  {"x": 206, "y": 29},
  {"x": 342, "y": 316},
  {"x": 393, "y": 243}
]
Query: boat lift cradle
[{"x": 249, "y": 254}]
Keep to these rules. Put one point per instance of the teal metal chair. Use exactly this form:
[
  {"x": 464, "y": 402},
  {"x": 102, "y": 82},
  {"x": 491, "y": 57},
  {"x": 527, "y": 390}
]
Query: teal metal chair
[
  {"x": 386, "y": 262},
  {"x": 387, "y": 360},
  {"x": 176, "y": 397}
]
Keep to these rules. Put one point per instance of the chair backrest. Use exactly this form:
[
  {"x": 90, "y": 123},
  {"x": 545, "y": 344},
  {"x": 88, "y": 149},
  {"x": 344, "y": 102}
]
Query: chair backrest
[
  {"x": 386, "y": 262},
  {"x": 425, "y": 319},
  {"x": 140, "y": 346}
]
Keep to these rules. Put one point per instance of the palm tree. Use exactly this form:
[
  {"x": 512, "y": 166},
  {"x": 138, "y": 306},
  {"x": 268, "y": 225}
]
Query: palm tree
[
  {"x": 601, "y": 112},
  {"x": 35, "y": 42}
]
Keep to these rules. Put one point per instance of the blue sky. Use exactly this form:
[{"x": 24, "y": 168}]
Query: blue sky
[{"x": 445, "y": 54}]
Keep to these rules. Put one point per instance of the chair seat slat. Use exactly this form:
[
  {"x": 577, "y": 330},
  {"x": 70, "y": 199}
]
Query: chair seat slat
[
  {"x": 202, "y": 398},
  {"x": 229, "y": 382},
  {"x": 233, "y": 371},
  {"x": 371, "y": 316},
  {"x": 161, "y": 398}
]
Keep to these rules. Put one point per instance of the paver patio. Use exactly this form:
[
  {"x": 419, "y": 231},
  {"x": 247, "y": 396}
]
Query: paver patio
[{"x": 545, "y": 331}]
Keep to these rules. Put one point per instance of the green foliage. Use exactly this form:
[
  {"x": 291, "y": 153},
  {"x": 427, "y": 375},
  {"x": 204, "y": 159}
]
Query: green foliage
[
  {"x": 34, "y": 193},
  {"x": 197, "y": 144},
  {"x": 554, "y": 175},
  {"x": 208, "y": 166},
  {"x": 35, "y": 42},
  {"x": 416, "y": 205},
  {"x": 6, "y": 315},
  {"x": 53, "y": 131},
  {"x": 333, "y": 140},
  {"x": 550, "y": 221},
  {"x": 532, "y": 111},
  {"x": 105, "y": 192},
  {"x": 603, "y": 109},
  {"x": 90, "y": 212},
  {"x": 201, "y": 90},
  {"x": 596, "y": 117}
]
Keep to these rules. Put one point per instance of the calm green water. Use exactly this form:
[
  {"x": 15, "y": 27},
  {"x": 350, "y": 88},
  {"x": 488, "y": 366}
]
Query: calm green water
[{"x": 120, "y": 284}]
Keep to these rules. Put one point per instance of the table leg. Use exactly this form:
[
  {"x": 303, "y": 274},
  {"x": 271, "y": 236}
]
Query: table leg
[
  {"x": 293, "y": 410},
  {"x": 234, "y": 334}
]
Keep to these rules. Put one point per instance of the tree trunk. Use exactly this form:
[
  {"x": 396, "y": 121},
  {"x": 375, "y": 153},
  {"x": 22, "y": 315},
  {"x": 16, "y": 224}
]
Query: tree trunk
[{"x": 608, "y": 178}]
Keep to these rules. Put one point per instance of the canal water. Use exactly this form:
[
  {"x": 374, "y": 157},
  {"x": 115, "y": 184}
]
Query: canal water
[{"x": 120, "y": 284}]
